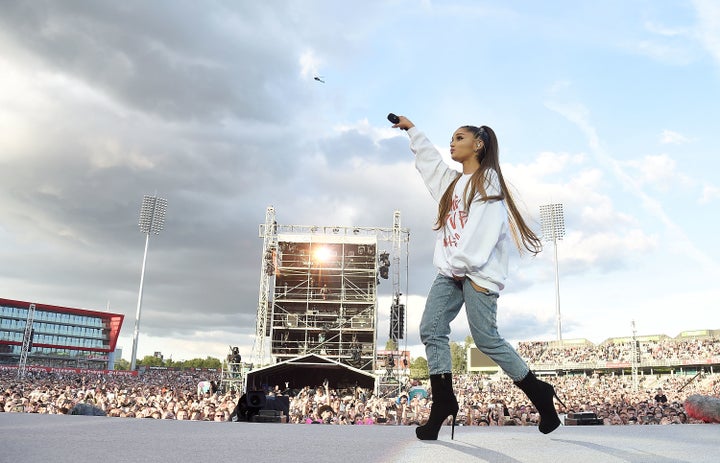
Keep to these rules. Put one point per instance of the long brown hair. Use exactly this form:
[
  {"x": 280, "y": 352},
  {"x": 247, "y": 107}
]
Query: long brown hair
[{"x": 489, "y": 159}]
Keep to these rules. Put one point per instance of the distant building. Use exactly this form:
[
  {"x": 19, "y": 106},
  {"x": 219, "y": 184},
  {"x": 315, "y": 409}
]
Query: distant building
[{"x": 61, "y": 336}]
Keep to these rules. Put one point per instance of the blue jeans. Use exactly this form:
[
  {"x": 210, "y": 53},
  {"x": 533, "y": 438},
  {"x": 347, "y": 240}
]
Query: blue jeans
[{"x": 443, "y": 305}]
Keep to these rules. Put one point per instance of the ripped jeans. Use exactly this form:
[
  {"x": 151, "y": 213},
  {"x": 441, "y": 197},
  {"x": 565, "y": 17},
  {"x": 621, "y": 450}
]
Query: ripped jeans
[{"x": 443, "y": 305}]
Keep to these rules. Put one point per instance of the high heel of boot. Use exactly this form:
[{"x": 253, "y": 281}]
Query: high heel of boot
[
  {"x": 431, "y": 429},
  {"x": 444, "y": 405},
  {"x": 541, "y": 395},
  {"x": 558, "y": 398}
]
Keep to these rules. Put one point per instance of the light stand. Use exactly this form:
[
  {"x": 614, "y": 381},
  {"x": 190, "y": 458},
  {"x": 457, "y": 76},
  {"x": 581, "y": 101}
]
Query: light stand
[
  {"x": 152, "y": 220},
  {"x": 553, "y": 229}
]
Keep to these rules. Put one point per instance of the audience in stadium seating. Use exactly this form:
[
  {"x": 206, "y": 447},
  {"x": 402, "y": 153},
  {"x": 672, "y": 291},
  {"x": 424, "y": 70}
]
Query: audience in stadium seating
[{"x": 669, "y": 349}]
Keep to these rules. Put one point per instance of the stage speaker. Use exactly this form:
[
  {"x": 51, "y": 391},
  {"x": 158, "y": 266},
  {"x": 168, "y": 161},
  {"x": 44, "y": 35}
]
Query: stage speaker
[
  {"x": 86, "y": 409},
  {"x": 257, "y": 407},
  {"x": 268, "y": 416},
  {"x": 582, "y": 419},
  {"x": 279, "y": 403},
  {"x": 255, "y": 399},
  {"x": 248, "y": 406}
]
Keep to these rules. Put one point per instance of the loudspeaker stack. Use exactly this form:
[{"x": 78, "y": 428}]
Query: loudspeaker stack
[{"x": 582, "y": 419}]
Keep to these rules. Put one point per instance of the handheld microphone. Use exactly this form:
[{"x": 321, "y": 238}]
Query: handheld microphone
[{"x": 394, "y": 119}]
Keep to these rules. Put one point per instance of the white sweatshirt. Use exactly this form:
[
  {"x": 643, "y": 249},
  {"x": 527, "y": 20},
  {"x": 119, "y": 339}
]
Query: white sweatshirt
[{"x": 474, "y": 245}]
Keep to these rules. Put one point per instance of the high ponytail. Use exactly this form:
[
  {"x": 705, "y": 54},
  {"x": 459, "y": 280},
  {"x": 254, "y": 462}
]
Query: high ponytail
[{"x": 488, "y": 157}]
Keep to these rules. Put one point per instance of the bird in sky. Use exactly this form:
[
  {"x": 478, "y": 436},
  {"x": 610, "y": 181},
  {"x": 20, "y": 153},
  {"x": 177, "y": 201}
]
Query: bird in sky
[{"x": 319, "y": 79}]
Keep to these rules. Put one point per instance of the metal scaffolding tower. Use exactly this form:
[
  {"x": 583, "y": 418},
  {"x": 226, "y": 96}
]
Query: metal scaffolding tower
[
  {"x": 267, "y": 271},
  {"x": 233, "y": 376},
  {"x": 27, "y": 342},
  {"x": 397, "y": 330},
  {"x": 318, "y": 290},
  {"x": 395, "y": 363}
]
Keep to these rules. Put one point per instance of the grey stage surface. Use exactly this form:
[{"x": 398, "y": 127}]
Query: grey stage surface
[{"x": 78, "y": 439}]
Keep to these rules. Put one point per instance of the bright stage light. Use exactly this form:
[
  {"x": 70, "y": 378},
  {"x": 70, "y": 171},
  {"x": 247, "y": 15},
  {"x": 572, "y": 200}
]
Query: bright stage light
[{"x": 322, "y": 254}]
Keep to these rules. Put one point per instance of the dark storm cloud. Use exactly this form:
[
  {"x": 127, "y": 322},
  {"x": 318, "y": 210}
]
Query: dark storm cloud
[
  {"x": 203, "y": 104},
  {"x": 178, "y": 60}
]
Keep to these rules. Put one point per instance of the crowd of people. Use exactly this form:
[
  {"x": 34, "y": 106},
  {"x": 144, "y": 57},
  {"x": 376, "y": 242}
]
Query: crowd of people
[
  {"x": 495, "y": 401},
  {"x": 160, "y": 394},
  {"x": 669, "y": 349},
  {"x": 484, "y": 400}
]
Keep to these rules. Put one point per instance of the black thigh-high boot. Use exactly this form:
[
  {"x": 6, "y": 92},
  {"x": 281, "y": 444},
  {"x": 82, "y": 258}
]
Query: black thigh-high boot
[
  {"x": 444, "y": 404},
  {"x": 541, "y": 395}
]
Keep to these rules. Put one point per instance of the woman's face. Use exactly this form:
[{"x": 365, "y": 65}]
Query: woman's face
[{"x": 463, "y": 146}]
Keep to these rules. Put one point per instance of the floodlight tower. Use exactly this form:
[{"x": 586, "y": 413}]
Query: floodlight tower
[
  {"x": 553, "y": 229},
  {"x": 152, "y": 221}
]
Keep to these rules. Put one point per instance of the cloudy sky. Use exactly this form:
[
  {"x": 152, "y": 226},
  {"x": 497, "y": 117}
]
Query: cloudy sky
[{"x": 610, "y": 108}]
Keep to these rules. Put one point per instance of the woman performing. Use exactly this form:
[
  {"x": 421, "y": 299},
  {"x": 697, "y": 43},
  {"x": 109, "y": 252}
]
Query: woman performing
[{"x": 476, "y": 219}]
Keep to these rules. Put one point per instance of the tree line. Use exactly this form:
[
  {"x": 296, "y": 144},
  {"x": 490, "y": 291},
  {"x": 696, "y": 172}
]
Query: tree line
[
  {"x": 418, "y": 366},
  {"x": 153, "y": 361}
]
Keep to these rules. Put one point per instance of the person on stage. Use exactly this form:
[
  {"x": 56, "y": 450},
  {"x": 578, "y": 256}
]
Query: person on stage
[{"x": 477, "y": 217}]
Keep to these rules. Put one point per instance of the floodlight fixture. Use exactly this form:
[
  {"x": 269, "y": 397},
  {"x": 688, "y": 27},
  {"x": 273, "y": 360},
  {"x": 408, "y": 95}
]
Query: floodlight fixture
[{"x": 152, "y": 215}]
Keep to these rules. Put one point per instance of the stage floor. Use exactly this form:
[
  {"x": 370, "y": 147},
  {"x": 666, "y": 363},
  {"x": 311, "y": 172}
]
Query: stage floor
[{"x": 36, "y": 438}]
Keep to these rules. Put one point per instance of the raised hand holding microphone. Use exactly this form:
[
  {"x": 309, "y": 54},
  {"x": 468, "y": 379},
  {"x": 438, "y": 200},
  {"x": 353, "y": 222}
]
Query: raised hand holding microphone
[{"x": 400, "y": 122}]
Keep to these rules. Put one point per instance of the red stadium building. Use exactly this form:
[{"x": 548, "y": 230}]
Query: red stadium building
[{"x": 62, "y": 337}]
